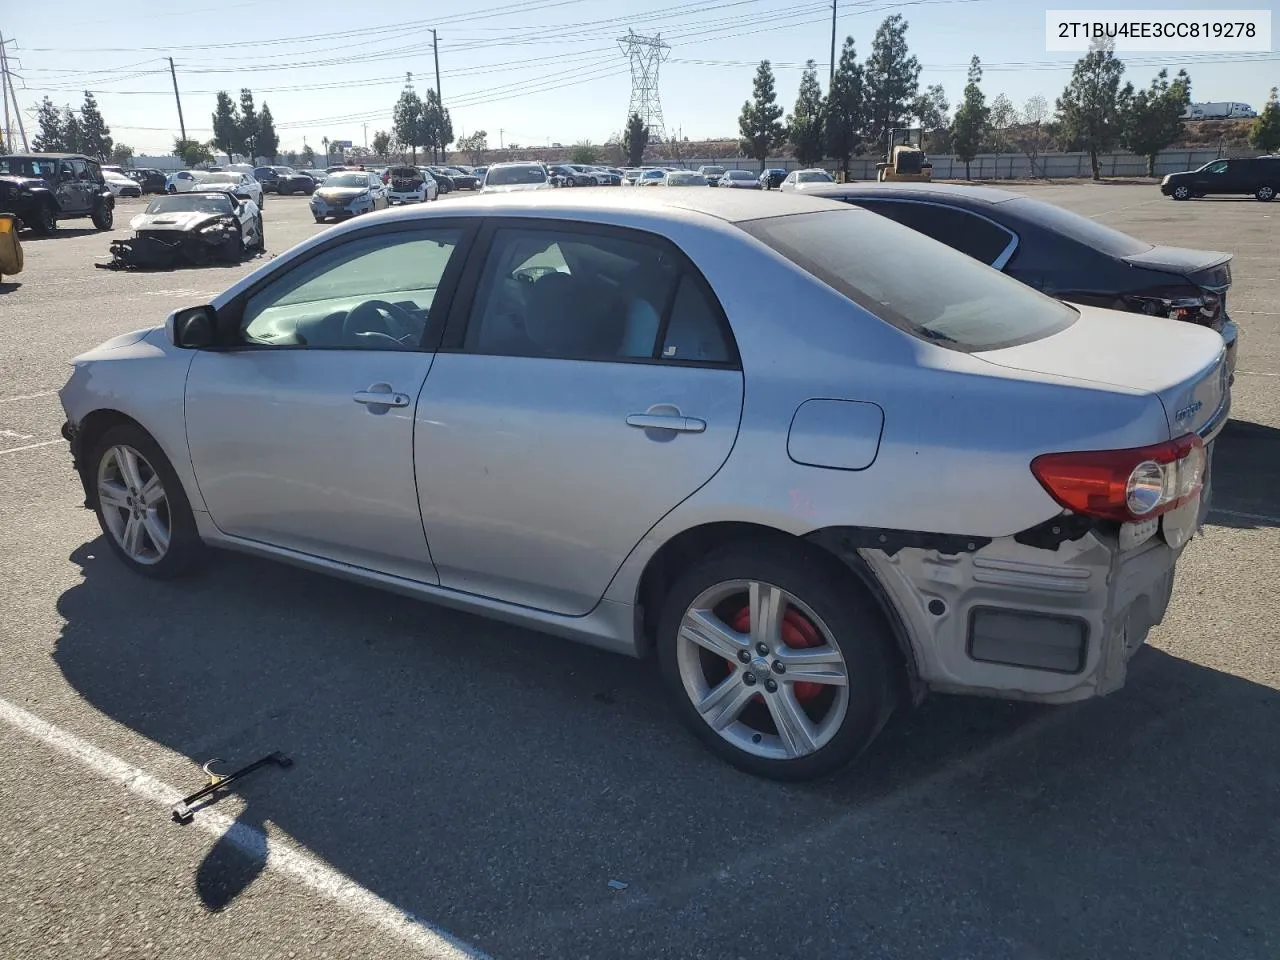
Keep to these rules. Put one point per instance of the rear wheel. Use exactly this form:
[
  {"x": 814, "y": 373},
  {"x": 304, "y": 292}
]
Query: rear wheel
[
  {"x": 1265, "y": 193},
  {"x": 141, "y": 505},
  {"x": 776, "y": 661},
  {"x": 104, "y": 217}
]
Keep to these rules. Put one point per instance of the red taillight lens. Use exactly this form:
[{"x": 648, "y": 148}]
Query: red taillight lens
[{"x": 1124, "y": 485}]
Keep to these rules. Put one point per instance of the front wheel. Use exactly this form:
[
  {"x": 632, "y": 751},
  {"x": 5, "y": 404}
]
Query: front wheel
[
  {"x": 1265, "y": 193},
  {"x": 1182, "y": 193},
  {"x": 45, "y": 221},
  {"x": 141, "y": 505},
  {"x": 104, "y": 217},
  {"x": 776, "y": 660}
]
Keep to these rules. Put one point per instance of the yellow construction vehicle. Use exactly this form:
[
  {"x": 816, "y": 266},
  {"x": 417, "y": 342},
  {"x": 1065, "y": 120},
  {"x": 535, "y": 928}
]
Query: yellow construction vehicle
[{"x": 905, "y": 160}]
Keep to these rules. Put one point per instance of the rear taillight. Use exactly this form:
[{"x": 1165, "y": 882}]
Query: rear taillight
[
  {"x": 1124, "y": 485},
  {"x": 1191, "y": 304}
]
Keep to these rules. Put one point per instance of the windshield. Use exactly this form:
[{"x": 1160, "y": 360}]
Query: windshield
[
  {"x": 814, "y": 176},
  {"x": 740, "y": 175},
  {"x": 347, "y": 180},
  {"x": 221, "y": 178},
  {"x": 405, "y": 173},
  {"x": 190, "y": 203},
  {"x": 878, "y": 264},
  {"x": 685, "y": 180},
  {"x": 505, "y": 176},
  {"x": 713, "y": 171},
  {"x": 26, "y": 167},
  {"x": 1089, "y": 232}
]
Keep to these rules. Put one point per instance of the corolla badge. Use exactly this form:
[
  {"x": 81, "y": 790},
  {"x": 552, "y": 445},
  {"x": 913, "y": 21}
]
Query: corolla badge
[{"x": 1187, "y": 412}]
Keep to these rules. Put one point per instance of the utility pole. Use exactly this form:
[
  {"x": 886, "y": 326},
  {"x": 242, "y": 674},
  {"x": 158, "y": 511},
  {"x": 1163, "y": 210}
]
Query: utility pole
[
  {"x": 500, "y": 146},
  {"x": 6, "y": 79},
  {"x": 435, "y": 46},
  {"x": 4, "y": 92},
  {"x": 181, "y": 124},
  {"x": 365, "y": 127},
  {"x": 832, "y": 78}
]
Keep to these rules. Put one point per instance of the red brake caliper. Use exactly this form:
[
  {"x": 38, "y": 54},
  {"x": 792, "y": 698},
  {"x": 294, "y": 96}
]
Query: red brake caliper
[{"x": 798, "y": 632}]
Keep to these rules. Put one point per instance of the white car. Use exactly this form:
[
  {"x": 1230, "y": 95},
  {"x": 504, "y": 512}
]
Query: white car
[
  {"x": 407, "y": 184},
  {"x": 739, "y": 180},
  {"x": 515, "y": 178},
  {"x": 683, "y": 178},
  {"x": 184, "y": 181},
  {"x": 120, "y": 185},
  {"x": 798, "y": 181},
  {"x": 237, "y": 181},
  {"x": 651, "y": 178}
]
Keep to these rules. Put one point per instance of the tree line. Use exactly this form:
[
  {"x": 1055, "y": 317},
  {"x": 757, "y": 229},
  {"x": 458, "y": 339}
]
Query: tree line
[
  {"x": 240, "y": 128},
  {"x": 1095, "y": 113},
  {"x": 415, "y": 123},
  {"x": 82, "y": 131}
]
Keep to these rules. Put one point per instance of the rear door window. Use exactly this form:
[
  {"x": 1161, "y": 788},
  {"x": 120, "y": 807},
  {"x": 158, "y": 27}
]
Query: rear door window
[
  {"x": 924, "y": 288},
  {"x": 970, "y": 234}
]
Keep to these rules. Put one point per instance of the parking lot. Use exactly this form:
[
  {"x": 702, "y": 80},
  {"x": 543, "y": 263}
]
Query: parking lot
[{"x": 464, "y": 788}]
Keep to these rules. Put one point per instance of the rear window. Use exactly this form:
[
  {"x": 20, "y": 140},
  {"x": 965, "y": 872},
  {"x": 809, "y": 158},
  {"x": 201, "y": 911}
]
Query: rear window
[
  {"x": 920, "y": 286},
  {"x": 1086, "y": 231}
]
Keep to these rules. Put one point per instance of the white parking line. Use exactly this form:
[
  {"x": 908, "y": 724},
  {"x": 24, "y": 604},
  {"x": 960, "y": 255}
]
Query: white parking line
[
  {"x": 288, "y": 860},
  {"x": 32, "y": 446},
  {"x": 29, "y": 396}
]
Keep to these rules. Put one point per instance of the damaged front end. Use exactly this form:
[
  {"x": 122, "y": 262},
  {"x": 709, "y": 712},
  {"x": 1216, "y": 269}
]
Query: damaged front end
[{"x": 217, "y": 241}]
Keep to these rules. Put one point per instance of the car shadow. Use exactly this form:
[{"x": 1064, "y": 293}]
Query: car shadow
[
  {"x": 1246, "y": 476},
  {"x": 490, "y": 780},
  {"x": 62, "y": 232},
  {"x": 9, "y": 286}
]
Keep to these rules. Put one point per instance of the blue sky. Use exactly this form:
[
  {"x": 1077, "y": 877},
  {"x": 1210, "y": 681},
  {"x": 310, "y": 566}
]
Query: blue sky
[{"x": 537, "y": 70}]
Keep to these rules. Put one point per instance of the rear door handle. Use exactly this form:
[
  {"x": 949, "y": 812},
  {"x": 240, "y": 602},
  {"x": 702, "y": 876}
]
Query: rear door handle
[
  {"x": 379, "y": 398},
  {"x": 655, "y": 421}
]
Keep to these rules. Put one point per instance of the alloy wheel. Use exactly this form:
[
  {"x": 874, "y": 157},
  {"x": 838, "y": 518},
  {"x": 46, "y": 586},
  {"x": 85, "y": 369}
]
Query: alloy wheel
[
  {"x": 761, "y": 669},
  {"x": 135, "y": 507}
]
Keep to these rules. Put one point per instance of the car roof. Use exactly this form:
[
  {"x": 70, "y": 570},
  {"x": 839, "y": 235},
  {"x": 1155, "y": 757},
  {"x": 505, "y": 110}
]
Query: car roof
[
  {"x": 733, "y": 206},
  {"x": 958, "y": 193},
  {"x": 33, "y": 155}
]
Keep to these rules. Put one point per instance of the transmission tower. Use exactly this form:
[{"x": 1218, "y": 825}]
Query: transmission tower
[{"x": 646, "y": 54}]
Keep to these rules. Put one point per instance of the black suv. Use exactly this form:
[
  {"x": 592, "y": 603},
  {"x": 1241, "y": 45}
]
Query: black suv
[
  {"x": 149, "y": 179},
  {"x": 1257, "y": 177},
  {"x": 284, "y": 181},
  {"x": 42, "y": 188}
]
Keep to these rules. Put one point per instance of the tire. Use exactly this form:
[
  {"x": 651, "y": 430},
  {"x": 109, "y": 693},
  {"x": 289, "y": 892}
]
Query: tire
[
  {"x": 1266, "y": 193},
  {"x": 824, "y": 610},
  {"x": 319, "y": 219},
  {"x": 170, "y": 512},
  {"x": 261, "y": 245},
  {"x": 1181, "y": 192},
  {"x": 45, "y": 222},
  {"x": 171, "y": 189},
  {"x": 282, "y": 192},
  {"x": 104, "y": 217}
]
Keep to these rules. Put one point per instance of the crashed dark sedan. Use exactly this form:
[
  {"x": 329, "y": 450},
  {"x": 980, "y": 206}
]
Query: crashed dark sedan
[
  {"x": 194, "y": 229},
  {"x": 1063, "y": 254}
]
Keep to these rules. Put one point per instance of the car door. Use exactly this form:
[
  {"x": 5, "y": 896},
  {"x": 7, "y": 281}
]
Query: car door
[
  {"x": 67, "y": 189},
  {"x": 301, "y": 429},
  {"x": 970, "y": 233},
  {"x": 559, "y": 422},
  {"x": 1212, "y": 178}
]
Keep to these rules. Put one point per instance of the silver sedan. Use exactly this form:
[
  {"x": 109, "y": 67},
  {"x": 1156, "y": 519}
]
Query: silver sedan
[{"x": 744, "y": 436}]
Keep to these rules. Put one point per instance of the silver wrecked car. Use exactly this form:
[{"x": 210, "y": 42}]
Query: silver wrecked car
[{"x": 818, "y": 462}]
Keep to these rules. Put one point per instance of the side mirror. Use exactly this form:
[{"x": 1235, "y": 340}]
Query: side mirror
[
  {"x": 194, "y": 328},
  {"x": 242, "y": 196}
]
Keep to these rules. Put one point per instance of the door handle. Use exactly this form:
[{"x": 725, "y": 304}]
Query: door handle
[
  {"x": 381, "y": 398},
  {"x": 657, "y": 421}
]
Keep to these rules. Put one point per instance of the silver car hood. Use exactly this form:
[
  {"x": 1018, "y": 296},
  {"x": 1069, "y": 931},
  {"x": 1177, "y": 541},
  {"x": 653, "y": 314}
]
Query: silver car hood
[
  {"x": 177, "y": 220},
  {"x": 1181, "y": 363}
]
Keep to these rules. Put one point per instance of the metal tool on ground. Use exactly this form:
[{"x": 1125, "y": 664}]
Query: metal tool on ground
[{"x": 183, "y": 812}]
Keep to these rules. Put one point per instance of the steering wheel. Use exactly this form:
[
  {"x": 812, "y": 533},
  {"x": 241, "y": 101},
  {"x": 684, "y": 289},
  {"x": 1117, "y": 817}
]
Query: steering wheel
[
  {"x": 378, "y": 318},
  {"x": 532, "y": 275}
]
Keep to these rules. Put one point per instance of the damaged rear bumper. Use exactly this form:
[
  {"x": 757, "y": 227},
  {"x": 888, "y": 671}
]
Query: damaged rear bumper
[{"x": 1022, "y": 622}]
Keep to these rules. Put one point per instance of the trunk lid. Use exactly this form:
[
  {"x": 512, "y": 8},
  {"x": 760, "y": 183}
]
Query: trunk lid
[
  {"x": 1210, "y": 269},
  {"x": 1183, "y": 364}
]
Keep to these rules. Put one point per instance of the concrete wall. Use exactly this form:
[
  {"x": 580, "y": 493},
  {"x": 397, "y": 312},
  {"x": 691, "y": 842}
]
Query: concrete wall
[{"x": 1009, "y": 165}]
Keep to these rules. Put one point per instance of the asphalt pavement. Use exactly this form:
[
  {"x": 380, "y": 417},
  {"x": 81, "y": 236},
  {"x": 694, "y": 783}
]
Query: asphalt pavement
[{"x": 465, "y": 788}]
